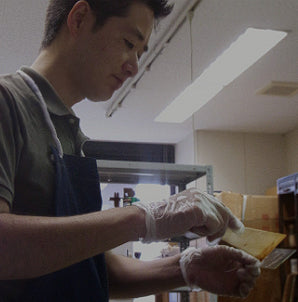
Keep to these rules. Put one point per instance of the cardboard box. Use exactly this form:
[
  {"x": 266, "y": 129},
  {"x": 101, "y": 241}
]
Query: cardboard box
[
  {"x": 270, "y": 225},
  {"x": 260, "y": 207},
  {"x": 255, "y": 211},
  {"x": 261, "y": 212},
  {"x": 234, "y": 201},
  {"x": 271, "y": 191}
]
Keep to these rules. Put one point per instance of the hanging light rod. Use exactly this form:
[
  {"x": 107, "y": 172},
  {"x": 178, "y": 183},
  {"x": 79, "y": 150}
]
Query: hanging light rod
[{"x": 150, "y": 57}]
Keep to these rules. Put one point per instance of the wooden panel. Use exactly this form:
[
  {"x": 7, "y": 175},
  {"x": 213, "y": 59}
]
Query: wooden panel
[{"x": 255, "y": 242}]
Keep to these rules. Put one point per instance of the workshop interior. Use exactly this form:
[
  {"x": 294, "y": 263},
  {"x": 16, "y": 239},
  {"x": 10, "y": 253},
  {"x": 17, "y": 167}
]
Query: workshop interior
[{"x": 213, "y": 106}]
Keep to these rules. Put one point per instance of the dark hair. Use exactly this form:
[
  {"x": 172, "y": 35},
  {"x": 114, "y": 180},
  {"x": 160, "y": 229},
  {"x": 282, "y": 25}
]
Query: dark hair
[{"x": 58, "y": 11}]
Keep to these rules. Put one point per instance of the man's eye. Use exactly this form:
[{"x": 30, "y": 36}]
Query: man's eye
[{"x": 129, "y": 44}]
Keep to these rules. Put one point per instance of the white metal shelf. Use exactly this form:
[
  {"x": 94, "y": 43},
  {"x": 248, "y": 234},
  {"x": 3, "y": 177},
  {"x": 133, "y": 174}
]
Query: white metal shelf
[{"x": 130, "y": 172}]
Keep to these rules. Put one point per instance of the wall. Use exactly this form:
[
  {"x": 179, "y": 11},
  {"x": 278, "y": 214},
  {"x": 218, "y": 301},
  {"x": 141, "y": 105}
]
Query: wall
[
  {"x": 184, "y": 151},
  {"x": 244, "y": 162},
  {"x": 291, "y": 140}
]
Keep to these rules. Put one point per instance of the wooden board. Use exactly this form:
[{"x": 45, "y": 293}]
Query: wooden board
[{"x": 257, "y": 243}]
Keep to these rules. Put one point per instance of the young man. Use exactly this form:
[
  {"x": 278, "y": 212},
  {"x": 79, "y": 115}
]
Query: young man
[{"x": 54, "y": 240}]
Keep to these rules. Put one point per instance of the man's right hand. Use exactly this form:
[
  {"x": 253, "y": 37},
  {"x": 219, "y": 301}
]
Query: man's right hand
[
  {"x": 190, "y": 210},
  {"x": 220, "y": 270}
]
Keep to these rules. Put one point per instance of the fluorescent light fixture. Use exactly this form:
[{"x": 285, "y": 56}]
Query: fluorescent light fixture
[{"x": 244, "y": 52}]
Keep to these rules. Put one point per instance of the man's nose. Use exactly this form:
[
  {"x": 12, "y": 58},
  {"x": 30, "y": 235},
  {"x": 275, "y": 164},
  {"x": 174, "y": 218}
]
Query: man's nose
[{"x": 131, "y": 68}]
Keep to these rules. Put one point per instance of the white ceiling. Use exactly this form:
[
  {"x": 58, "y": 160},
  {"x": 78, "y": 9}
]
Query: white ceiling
[{"x": 215, "y": 25}]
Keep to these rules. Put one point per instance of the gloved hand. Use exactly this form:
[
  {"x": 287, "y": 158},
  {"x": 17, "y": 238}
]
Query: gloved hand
[
  {"x": 190, "y": 210},
  {"x": 220, "y": 270}
]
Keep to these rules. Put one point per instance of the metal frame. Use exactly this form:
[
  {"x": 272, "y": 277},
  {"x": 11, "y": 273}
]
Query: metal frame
[{"x": 128, "y": 172}]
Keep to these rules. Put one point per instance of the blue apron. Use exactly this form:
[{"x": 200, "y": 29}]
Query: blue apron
[{"x": 77, "y": 192}]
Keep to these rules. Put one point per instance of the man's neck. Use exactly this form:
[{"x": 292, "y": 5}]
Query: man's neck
[{"x": 54, "y": 69}]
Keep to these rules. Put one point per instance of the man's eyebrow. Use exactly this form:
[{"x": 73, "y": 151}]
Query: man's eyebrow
[{"x": 140, "y": 36}]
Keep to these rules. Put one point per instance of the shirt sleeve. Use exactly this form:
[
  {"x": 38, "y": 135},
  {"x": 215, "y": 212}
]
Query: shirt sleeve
[
  {"x": 82, "y": 138},
  {"x": 9, "y": 145}
]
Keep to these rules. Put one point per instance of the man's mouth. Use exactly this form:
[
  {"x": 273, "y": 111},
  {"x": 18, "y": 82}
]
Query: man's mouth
[{"x": 119, "y": 82}]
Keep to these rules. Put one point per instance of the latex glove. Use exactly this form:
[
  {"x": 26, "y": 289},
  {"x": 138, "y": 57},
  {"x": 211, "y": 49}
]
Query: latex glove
[
  {"x": 220, "y": 270},
  {"x": 190, "y": 210}
]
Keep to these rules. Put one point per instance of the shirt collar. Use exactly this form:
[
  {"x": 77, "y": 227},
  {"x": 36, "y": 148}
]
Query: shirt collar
[{"x": 54, "y": 103}]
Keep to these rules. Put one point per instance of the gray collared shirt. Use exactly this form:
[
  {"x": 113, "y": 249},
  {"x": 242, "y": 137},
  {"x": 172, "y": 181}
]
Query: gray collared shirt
[{"x": 27, "y": 174}]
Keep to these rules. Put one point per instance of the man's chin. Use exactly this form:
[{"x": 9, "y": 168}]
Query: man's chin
[{"x": 101, "y": 98}]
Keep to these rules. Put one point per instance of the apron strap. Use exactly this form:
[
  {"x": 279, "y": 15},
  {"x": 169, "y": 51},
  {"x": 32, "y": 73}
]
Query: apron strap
[{"x": 44, "y": 108}]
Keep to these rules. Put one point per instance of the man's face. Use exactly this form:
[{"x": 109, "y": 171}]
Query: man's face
[{"x": 108, "y": 56}]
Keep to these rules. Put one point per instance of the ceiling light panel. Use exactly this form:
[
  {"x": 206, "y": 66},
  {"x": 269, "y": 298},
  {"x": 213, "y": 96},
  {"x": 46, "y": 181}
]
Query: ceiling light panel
[{"x": 243, "y": 53}]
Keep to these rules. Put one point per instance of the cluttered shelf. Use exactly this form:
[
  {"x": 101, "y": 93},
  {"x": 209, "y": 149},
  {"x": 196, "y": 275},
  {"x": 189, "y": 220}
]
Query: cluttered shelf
[
  {"x": 291, "y": 219},
  {"x": 287, "y": 188}
]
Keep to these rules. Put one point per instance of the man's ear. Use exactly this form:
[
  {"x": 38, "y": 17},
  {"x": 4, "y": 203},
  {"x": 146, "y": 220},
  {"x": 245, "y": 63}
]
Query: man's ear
[{"x": 78, "y": 17}]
